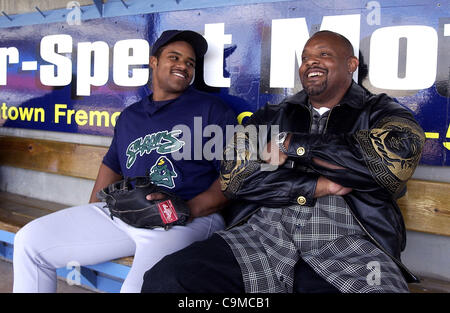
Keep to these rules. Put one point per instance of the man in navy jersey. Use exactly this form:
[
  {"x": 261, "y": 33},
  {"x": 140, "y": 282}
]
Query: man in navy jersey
[{"x": 149, "y": 137}]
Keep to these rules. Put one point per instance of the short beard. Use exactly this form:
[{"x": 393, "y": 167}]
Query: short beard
[{"x": 316, "y": 90}]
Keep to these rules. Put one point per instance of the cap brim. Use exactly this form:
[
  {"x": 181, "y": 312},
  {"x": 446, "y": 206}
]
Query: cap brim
[{"x": 197, "y": 41}]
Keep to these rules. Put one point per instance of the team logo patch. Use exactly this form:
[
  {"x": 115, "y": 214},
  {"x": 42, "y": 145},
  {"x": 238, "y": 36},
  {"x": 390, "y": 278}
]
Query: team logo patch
[
  {"x": 392, "y": 151},
  {"x": 398, "y": 143},
  {"x": 167, "y": 212},
  {"x": 238, "y": 163},
  {"x": 163, "y": 173}
]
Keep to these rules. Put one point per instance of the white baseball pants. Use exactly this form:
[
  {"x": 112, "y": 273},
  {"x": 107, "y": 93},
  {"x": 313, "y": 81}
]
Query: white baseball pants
[{"x": 87, "y": 235}]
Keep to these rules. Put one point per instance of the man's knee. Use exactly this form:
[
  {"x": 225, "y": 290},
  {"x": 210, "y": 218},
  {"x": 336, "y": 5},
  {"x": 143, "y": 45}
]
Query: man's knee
[
  {"x": 204, "y": 266},
  {"x": 25, "y": 238},
  {"x": 166, "y": 276}
]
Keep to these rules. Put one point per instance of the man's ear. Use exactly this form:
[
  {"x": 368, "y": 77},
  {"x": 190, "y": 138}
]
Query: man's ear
[
  {"x": 153, "y": 62},
  {"x": 352, "y": 64}
]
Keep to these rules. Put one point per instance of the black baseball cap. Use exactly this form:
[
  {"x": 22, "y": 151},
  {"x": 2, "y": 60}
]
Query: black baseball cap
[{"x": 196, "y": 40}]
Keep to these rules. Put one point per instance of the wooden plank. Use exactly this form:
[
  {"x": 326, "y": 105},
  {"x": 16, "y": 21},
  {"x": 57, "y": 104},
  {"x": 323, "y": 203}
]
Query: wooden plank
[
  {"x": 426, "y": 207},
  {"x": 128, "y": 261},
  {"x": 430, "y": 285},
  {"x": 70, "y": 159},
  {"x": 8, "y": 227},
  {"x": 27, "y": 205},
  {"x": 50, "y": 206},
  {"x": 17, "y": 210}
]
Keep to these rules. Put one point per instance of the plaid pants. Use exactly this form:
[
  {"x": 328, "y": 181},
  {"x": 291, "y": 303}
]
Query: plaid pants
[{"x": 325, "y": 236}]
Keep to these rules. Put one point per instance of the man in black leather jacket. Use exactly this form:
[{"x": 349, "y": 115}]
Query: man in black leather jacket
[{"x": 326, "y": 220}]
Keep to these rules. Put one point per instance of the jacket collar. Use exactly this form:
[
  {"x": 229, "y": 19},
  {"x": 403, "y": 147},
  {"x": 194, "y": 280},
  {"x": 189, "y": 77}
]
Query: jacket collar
[{"x": 354, "y": 97}]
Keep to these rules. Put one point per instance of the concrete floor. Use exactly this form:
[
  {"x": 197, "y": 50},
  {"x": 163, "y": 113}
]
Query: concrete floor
[{"x": 6, "y": 281}]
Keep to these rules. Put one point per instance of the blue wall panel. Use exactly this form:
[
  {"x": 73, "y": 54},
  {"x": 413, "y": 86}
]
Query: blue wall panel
[{"x": 246, "y": 58}]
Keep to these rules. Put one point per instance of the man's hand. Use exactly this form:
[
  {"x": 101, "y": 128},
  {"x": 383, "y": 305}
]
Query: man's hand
[
  {"x": 274, "y": 156},
  {"x": 155, "y": 196},
  {"x": 205, "y": 203},
  {"x": 327, "y": 165},
  {"x": 326, "y": 187}
]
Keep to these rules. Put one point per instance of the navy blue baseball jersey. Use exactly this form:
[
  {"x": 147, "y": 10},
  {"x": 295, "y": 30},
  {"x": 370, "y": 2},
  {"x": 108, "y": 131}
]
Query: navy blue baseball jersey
[{"x": 179, "y": 142}]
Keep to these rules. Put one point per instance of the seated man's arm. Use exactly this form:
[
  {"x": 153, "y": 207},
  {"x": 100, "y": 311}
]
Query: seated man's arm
[
  {"x": 381, "y": 158},
  {"x": 274, "y": 156},
  {"x": 244, "y": 176},
  {"x": 105, "y": 177},
  {"x": 208, "y": 202}
]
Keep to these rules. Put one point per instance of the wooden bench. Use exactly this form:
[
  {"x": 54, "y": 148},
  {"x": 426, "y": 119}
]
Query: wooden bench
[
  {"x": 425, "y": 207},
  {"x": 76, "y": 160}
]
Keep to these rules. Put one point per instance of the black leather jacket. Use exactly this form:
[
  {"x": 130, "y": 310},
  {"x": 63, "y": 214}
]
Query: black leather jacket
[{"x": 375, "y": 139}]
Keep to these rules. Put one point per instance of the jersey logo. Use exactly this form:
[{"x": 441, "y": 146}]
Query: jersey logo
[
  {"x": 163, "y": 173},
  {"x": 162, "y": 142}
]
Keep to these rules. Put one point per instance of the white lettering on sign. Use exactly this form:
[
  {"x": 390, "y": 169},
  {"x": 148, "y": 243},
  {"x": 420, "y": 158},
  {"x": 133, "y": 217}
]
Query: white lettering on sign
[
  {"x": 98, "y": 52},
  {"x": 348, "y": 26},
  {"x": 285, "y": 47},
  {"x": 60, "y": 72},
  {"x": 421, "y": 57},
  {"x": 132, "y": 52},
  {"x": 213, "y": 69},
  {"x": 7, "y": 56},
  {"x": 130, "y": 57}
]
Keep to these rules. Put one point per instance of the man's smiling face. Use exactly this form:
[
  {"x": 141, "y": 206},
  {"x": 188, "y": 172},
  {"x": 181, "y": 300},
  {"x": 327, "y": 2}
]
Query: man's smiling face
[
  {"x": 173, "y": 70},
  {"x": 327, "y": 65}
]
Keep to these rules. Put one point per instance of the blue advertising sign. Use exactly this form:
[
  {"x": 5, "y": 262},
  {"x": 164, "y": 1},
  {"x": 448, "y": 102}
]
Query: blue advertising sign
[{"x": 78, "y": 77}]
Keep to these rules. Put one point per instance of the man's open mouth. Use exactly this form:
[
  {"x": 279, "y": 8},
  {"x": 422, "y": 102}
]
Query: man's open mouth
[
  {"x": 314, "y": 74},
  {"x": 180, "y": 74}
]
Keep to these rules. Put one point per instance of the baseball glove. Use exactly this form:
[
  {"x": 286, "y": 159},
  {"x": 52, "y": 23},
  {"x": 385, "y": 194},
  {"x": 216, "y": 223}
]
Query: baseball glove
[{"x": 126, "y": 200}]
